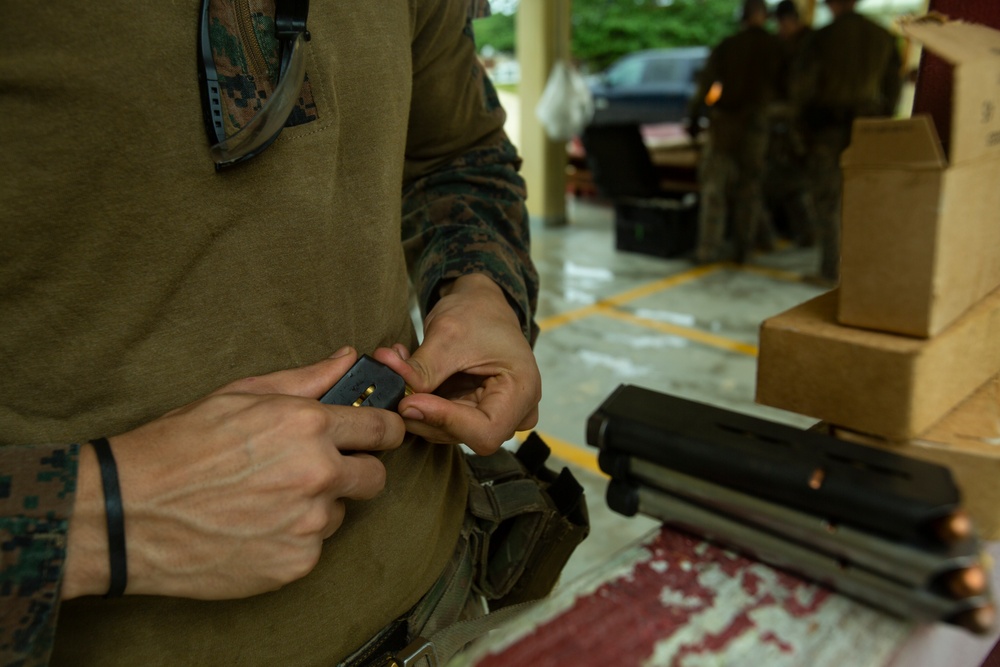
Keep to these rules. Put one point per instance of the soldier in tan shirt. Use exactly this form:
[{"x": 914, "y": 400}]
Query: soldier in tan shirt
[{"x": 262, "y": 528}]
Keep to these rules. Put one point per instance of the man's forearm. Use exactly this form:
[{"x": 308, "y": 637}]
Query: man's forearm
[{"x": 87, "y": 568}]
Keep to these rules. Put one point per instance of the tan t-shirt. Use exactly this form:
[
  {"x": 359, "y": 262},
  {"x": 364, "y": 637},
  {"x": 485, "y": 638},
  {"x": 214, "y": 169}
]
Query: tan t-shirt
[{"x": 134, "y": 279}]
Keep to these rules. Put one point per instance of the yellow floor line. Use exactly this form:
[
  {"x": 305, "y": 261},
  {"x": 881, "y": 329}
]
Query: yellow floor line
[
  {"x": 777, "y": 274},
  {"x": 662, "y": 284},
  {"x": 695, "y": 335},
  {"x": 559, "y": 320},
  {"x": 584, "y": 457}
]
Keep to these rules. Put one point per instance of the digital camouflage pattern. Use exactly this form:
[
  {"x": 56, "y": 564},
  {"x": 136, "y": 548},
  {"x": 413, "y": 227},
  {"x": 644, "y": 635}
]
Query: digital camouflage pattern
[
  {"x": 483, "y": 197},
  {"x": 247, "y": 60},
  {"x": 36, "y": 501},
  {"x": 732, "y": 194},
  {"x": 731, "y": 169}
]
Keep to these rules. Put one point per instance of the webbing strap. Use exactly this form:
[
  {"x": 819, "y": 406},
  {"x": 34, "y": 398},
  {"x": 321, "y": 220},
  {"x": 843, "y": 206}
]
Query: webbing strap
[
  {"x": 511, "y": 499},
  {"x": 443, "y": 645},
  {"x": 453, "y": 598},
  {"x": 500, "y": 465}
]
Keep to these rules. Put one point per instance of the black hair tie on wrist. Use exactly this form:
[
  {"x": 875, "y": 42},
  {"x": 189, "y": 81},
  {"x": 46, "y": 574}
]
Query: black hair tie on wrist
[{"x": 115, "y": 514}]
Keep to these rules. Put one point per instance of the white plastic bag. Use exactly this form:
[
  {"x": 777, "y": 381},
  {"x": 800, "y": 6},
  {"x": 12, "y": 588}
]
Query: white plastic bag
[{"x": 567, "y": 105}]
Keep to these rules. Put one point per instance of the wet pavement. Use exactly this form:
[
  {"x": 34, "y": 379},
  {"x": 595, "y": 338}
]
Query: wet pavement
[{"x": 610, "y": 317}]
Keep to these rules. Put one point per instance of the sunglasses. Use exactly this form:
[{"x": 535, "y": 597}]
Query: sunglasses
[{"x": 265, "y": 126}]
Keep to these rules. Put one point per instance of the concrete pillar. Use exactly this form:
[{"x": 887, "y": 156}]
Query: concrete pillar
[
  {"x": 543, "y": 29},
  {"x": 807, "y": 10}
]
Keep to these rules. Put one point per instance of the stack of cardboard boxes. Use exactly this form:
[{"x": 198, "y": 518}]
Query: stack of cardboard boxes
[{"x": 906, "y": 352}]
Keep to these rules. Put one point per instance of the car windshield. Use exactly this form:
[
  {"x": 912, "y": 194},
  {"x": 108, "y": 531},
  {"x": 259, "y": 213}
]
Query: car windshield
[
  {"x": 634, "y": 71},
  {"x": 626, "y": 73},
  {"x": 663, "y": 69}
]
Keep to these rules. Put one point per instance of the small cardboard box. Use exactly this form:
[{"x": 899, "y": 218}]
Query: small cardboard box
[
  {"x": 921, "y": 212},
  {"x": 967, "y": 441},
  {"x": 873, "y": 382}
]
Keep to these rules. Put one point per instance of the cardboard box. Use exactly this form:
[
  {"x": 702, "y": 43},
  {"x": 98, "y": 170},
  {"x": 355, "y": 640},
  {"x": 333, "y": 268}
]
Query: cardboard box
[
  {"x": 921, "y": 212},
  {"x": 873, "y": 382},
  {"x": 967, "y": 441}
]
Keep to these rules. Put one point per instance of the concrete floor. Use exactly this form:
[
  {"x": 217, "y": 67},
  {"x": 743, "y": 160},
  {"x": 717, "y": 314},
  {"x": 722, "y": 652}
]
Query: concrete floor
[{"x": 610, "y": 317}]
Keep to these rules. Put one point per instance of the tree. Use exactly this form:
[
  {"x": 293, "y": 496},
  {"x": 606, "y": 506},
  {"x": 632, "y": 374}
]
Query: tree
[
  {"x": 604, "y": 30},
  {"x": 495, "y": 31}
]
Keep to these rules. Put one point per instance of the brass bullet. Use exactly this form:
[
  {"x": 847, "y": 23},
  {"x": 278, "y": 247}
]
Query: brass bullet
[
  {"x": 816, "y": 480},
  {"x": 979, "y": 620},
  {"x": 954, "y": 528},
  {"x": 968, "y": 582},
  {"x": 361, "y": 399}
]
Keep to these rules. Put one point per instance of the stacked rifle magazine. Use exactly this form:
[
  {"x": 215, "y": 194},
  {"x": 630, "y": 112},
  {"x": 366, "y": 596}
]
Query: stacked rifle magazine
[{"x": 877, "y": 526}]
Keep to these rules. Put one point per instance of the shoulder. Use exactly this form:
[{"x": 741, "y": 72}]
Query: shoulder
[
  {"x": 727, "y": 42},
  {"x": 862, "y": 23}
]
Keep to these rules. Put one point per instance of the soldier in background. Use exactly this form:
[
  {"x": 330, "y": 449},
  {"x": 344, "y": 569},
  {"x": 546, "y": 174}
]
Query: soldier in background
[
  {"x": 851, "y": 68},
  {"x": 786, "y": 190},
  {"x": 731, "y": 169}
]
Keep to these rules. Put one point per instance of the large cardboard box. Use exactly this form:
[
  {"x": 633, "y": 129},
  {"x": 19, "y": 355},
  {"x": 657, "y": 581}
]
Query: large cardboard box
[
  {"x": 869, "y": 381},
  {"x": 921, "y": 212},
  {"x": 967, "y": 441}
]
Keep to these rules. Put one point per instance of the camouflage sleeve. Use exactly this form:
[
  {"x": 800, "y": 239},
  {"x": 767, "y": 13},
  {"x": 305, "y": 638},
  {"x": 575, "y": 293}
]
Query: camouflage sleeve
[
  {"x": 463, "y": 200},
  {"x": 37, "y": 485}
]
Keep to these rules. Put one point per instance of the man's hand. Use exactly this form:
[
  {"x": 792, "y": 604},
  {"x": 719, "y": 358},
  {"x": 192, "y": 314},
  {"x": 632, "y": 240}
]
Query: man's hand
[
  {"x": 477, "y": 363},
  {"x": 233, "y": 495}
]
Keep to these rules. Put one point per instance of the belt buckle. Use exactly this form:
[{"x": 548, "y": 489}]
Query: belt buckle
[{"x": 419, "y": 653}]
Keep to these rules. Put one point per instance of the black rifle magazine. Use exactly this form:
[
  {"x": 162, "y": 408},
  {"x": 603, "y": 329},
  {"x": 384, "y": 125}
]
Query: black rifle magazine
[
  {"x": 872, "y": 489},
  {"x": 367, "y": 383}
]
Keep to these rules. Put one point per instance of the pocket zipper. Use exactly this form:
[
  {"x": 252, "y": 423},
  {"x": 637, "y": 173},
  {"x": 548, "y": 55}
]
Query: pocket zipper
[{"x": 256, "y": 62}]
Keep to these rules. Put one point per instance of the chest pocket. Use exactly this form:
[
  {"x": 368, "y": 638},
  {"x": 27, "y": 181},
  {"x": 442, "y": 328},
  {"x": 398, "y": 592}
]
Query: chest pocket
[{"x": 246, "y": 53}]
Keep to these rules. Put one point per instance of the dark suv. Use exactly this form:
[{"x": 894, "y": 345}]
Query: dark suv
[{"x": 648, "y": 87}]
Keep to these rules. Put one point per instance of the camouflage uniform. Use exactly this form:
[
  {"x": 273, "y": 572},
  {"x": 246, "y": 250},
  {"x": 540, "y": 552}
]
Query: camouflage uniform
[
  {"x": 71, "y": 318},
  {"x": 731, "y": 168},
  {"x": 851, "y": 68},
  {"x": 37, "y": 484},
  {"x": 786, "y": 188}
]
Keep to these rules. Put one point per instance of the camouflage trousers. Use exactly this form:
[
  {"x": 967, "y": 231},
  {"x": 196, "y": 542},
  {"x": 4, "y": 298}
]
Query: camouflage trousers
[
  {"x": 826, "y": 184},
  {"x": 786, "y": 185},
  {"x": 730, "y": 175}
]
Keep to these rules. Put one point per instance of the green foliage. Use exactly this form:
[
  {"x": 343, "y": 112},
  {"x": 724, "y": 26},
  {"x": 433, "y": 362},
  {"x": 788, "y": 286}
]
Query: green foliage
[
  {"x": 496, "y": 31},
  {"x": 604, "y": 30}
]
